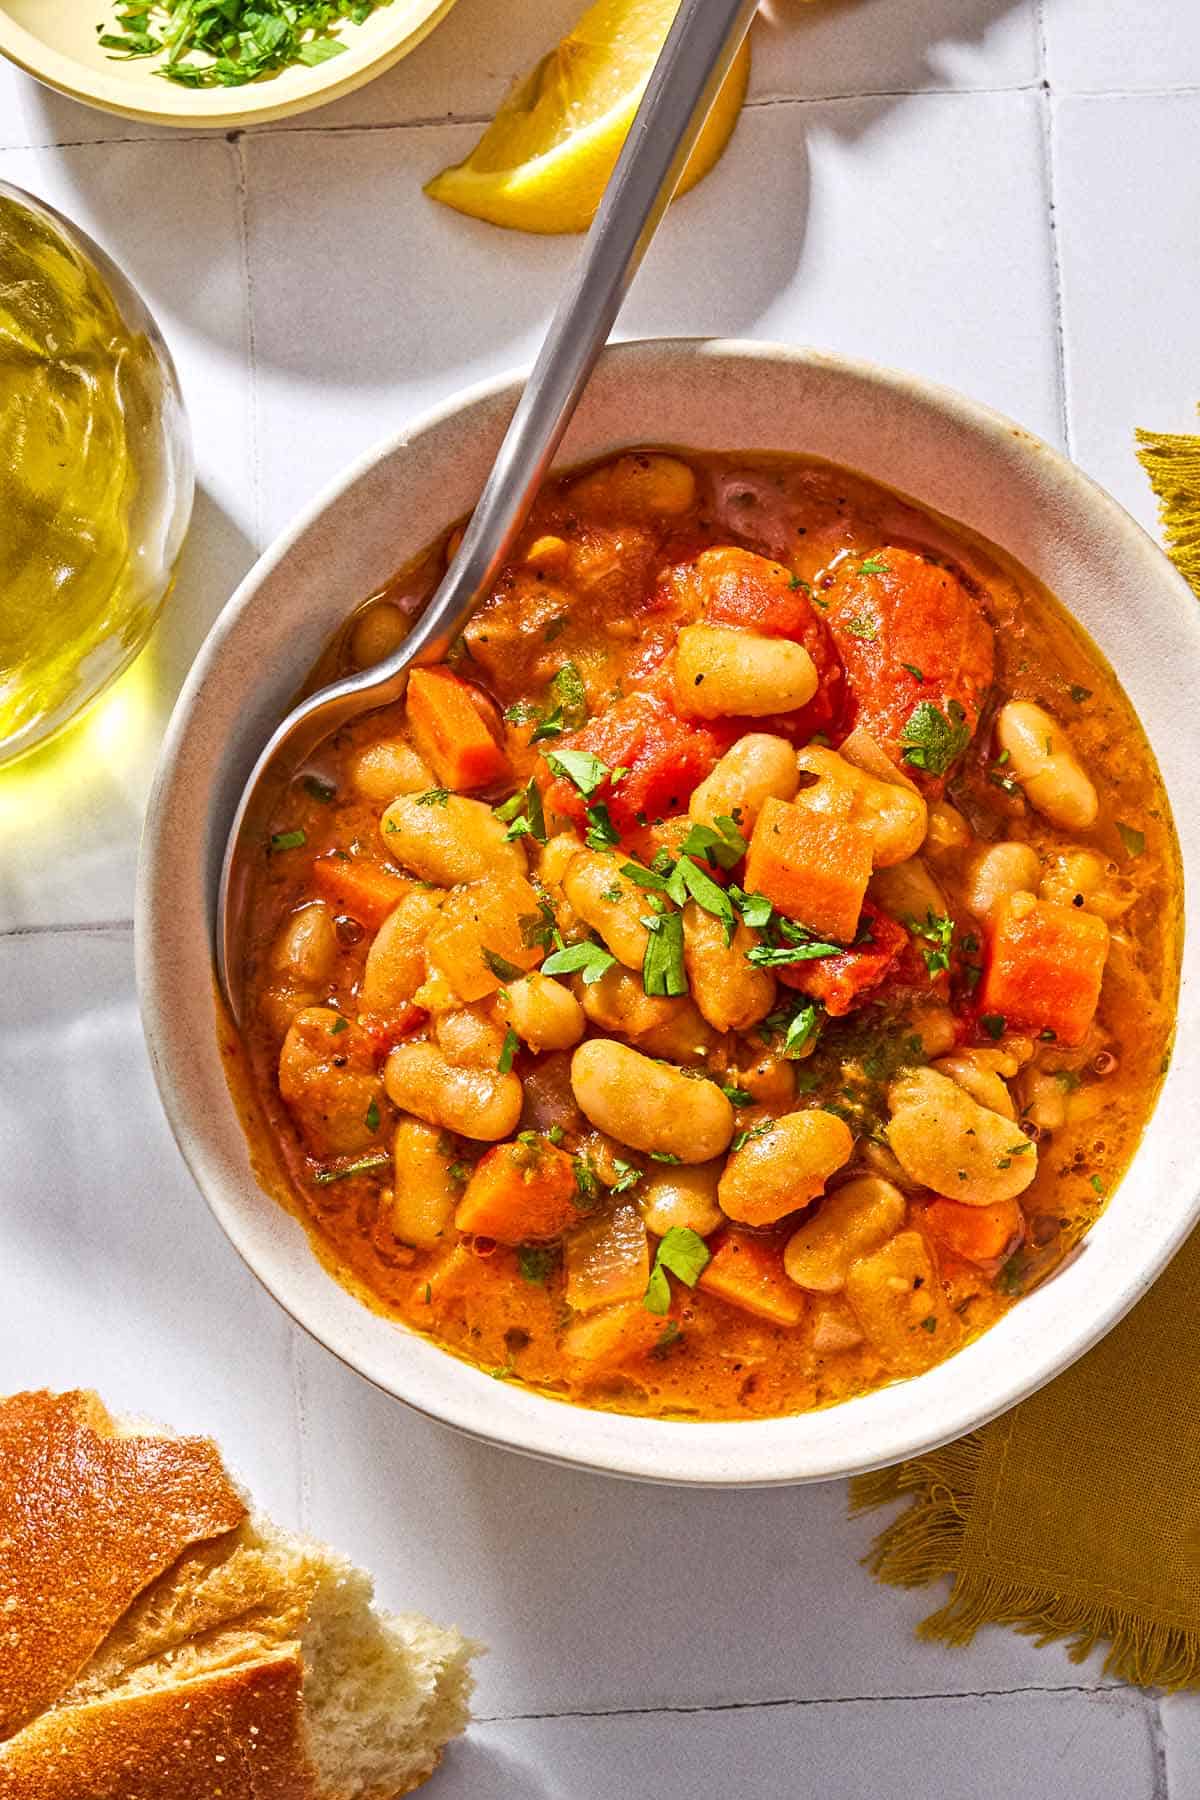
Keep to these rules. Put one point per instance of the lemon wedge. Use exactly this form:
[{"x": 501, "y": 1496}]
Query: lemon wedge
[{"x": 543, "y": 162}]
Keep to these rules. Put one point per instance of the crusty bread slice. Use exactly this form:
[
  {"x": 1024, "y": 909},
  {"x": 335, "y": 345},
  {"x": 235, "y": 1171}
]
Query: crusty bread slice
[{"x": 261, "y": 1652}]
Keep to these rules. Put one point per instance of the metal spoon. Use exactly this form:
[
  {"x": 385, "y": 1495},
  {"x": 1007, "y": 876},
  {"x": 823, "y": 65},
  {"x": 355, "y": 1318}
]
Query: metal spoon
[{"x": 683, "y": 85}]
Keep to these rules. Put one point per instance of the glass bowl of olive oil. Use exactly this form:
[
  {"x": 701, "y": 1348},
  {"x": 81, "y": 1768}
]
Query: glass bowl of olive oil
[{"x": 96, "y": 474}]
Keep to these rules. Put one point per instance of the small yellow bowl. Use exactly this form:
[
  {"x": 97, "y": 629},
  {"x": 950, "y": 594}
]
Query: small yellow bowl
[{"x": 57, "y": 41}]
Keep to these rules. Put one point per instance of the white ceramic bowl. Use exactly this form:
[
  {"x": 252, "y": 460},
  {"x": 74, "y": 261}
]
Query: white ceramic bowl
[
  {"x": 56, "y": 40},
  {"x": 946, "y": 452}
]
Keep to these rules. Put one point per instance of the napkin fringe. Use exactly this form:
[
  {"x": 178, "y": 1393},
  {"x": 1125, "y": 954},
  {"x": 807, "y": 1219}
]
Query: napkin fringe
[
  {"x": 1172, "y": 462},
  {"x": 925, "y": 1543}
]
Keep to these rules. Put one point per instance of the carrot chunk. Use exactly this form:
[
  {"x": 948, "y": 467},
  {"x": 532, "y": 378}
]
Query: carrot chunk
[
  {"x": 520, "y": 1193},
  {"x": 450, "y": 732},
  {"x": 363, "y": 889},
  {"x": 980, "y": 1234},
  {"x": 1045, "y": 963},
  {"x": 747, "y": 1271},
  {"x": 811, "y": 868}
]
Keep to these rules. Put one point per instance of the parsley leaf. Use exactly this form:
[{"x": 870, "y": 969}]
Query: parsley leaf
[
  {"x": 571, "y": 696},
  {"x": 535, "y": 1263},
  {"x": 591, "y": 960},
  {"x": 707, "y": 894},
  {"x": 994, "y": 1024},
  {"x": 1134, "y": 841},
  {"x": 668, "y": 880},
  {"x": 549, "y": 727},
  {"x": 289, "y": 840},
  {"x": 873, "y": 566},
  {"x": 377, "y": 1160},
  {"x": 776, "y": 956},
  {"x": 662, "y": 966},
  {"x": 913, "y": 671},
  {"x": 1080, "y": 694},
  {"x": 433, "y": 797},
  {"x": 938, "y": 931},
  {"x": 628, "y": 1176},
  {"x": 500, "y": 966},
  {"x": 686, "y": 1255},
  {"x": 931, "y": 740},
  {"x": 580, "y": 767},
  {"x": 863, "y": 627},
  {"x": 509, "y": 1050},
  {"x": 721, "y": 848},
  {"x": 755, "y": 909},
  {"x": 601, "y": 833},
  {"x": 737, "y": 1096}
]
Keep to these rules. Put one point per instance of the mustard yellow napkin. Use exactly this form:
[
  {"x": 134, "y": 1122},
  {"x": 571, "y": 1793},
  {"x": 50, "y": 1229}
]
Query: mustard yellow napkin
[{"x": 1077, "y": 1515}]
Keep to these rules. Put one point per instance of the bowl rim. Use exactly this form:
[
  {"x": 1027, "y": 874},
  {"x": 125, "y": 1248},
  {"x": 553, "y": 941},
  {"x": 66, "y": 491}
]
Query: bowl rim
[
  {"x": 216, "y": 109},
  {"x": 757, "y": 1454}
]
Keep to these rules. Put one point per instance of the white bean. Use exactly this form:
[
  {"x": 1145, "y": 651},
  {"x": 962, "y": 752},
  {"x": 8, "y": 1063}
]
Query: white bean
[
  {"x": 946, "y": 1141},
  {"x": 759, "y": 767},
  {"x": 387, "y": 768},
  {"x": 543, "y": 1013},
  {"x": 424, "y": 1192},
  {"x": 851, "y": 1221},
  {"x": 449, "y": 840},
  {"x": 609, "y": 902},
  {"x": 680, "y": 1198},
  {"x": 730, "y": 992},
  {"x": 306, "y": 946},
  {"x": 1042, "y": 760},
  {"x": 396, "y": 965},
  {"x": 995, "y": 873},
  {"x": 721, "y": 672},
  {"x": 479, "y": 1103},
  {"x": 891, "y": 814},
  {"x": 778, "y": 1170},
  {"x": 650, "y": 1105}
]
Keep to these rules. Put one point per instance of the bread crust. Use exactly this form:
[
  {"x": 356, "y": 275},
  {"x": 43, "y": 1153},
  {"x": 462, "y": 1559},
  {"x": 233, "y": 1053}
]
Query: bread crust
[
  {"x": 237, "y": 1735},
  {"x": 87, "y": 1519}
]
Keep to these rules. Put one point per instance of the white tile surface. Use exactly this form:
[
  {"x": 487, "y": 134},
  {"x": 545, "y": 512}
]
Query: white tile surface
[
  {"x": 1128, "y": 200},
  {"x": 113, "y": 1273},
  {"x": 886, "y": 194},
  {"x": 1075, "y": 1747},
  {"x": 1129, "y": 44}
]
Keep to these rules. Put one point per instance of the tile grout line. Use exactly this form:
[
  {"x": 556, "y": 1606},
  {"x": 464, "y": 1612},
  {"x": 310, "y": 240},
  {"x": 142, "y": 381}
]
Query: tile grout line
[
  {"x": 755, "y": 102},
  {"x": 237, "y": 140},
  {"x": 1100, "y": 1691},
  {"x": 1056, "y": 280}
]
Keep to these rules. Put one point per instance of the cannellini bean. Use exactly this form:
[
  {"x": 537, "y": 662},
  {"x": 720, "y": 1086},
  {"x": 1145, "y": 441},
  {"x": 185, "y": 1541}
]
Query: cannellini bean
[
  {"x": 936, "y": 1028},
  {"x": 396, "y": 967},
  {"x": 908, "y": 891},
  {"x": 619, "y": 1003},
  {"x": 721, "y": 672},
  {"x": 851, "y": 1221},
  {"x": 982, "y": 1083},
  {"x": 892, "y": 815},
  {"x": 759, "y": 767},
  {"x": 378, "y": 630},
  {"x": 770, "y": 1080},
  {"x": 609, "y": 902},
  {"x": 885, "y": 1163},
  {"x": 469, "y": 1037},
  {"x": 1046, "y": 766},
  {"x": 643, "y": 485},
  {"x": 388, "y": 768},
  {"x": 995, "y": 873},
  {"x": 327, "y": 1079},
  {"x": 683, "y": 1038},
  {"x": 306, "y": 946},
  {"x": 543, "y": 1013},
  {"x": 554, "y": 856},
  {"x": 682, "y": 1197},
  {"x": 1087, "y": 879},
  {"x": 946, "y": 1141},
  {"x": 448, "y": 841},
  {"x": 946, "y": 830},
  {"x": 782, "y": 1168},
  {"x": 649, "y": 1105},
  {"x": 1043, "y": 1099},
  {"x": 479, "y": 1103},
  {"x": 729, "y": 991},
  {"x": 424, "y": 1193}
]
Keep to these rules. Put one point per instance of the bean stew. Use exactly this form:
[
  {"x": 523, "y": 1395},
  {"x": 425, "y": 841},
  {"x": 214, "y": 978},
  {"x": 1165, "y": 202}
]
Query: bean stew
[{"x": 742, "y": 971}]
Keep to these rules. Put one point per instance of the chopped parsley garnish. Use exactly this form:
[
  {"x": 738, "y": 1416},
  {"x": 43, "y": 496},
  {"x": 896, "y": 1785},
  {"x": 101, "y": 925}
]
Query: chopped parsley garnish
[
  {"x": 500, "y": 966},
  {"x": 806, "y": 949},
  {"x": 579, "y": 767},
  {"x": 931, "y": 740},
  {"x": 929, "y": 1324},
  {"x": 628, "y": 1176},
  {"x": 570, "y": 696},
  {"x": 913, "y": 671},
  {"x": 798, "y": 582},
  {"x": 522, "y": 712},
  {"x": 863, "y": 627},
  {"x": 551, "y": 726},
  {"x": 671, "y": 1334},
  {"x": 737, "y": 1096},
  {"x": 686, "y": 1255},
  {"x": 289, "y": 840},
  {"x": 755, "y": 909},
  {"x": 1134, "y": 841},
  {"x": 433, "y": 797},
  {"x": 241, "y": 39},
  {"x": 800, "y": 1023},
  {"x": 994, "y": 1024},
  {"x": 540, "y": 928},
  {"x": 509, "y": 1050},
  {"x": 524, "y": 813},
  {"x": 874, "y": 566},
  {"x": 741, "y": 1138},
  {"x": 663, "y": 1156},
  {"x": 937, "y": 931},
  {"x": 721, "y": 848},
  {"x": 338, "y": 1026},
  {"x": 662, "y": 966},
  {"x": 705, "y": 892},
  {"x": 364, "y": 1164},
  {"x": 371, "y": 1121},
  {"x": 1080, "y": 694},
  {"x": 601, "y": 833},
  {"x": 589, "y": 959}
]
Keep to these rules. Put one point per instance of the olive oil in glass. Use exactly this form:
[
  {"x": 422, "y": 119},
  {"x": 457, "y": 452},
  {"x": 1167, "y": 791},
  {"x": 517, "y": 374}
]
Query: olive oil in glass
[{"x": 95, "y": 472}]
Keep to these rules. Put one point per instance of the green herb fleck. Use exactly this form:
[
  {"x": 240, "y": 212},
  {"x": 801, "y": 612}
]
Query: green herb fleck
[
  {"x": 433, "y": 797},
  {"x": 323, "y": 791},
  {"x": 508, "y": 1051},
  {"x": 686, "y": 1255},
  {"x": 994, "y": 1024},
  {"x": 289, "y": 840},
  {"x": 339, "y": 1025},
  {"x": 371, "y": 1121},
  {"x": 377, "y": 1160},
  {"x": 913, "y": 671},
  {"x": 500, "y": 966},
  {"x": 663, "y": 972},
  {"x": 863, "y": 627},
  {"x": 589, "y": 959},
  {"x": 1134, "y": 841},
  {"x": 874, "y": 566},
  {"x": 931, "y": 740},
  {"x": 737, "y": 1096},
  {"x": 628, "y": 1176},
  {"x": 1080, "y": 694},
  {"x": 535, "y": 1263},
  {"x": 939, "y": 932},
  {"x": 580, "y": 767}
]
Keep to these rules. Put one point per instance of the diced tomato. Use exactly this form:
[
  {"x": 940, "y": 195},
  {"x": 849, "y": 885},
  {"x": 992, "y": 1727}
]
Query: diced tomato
[
  {"x": 909, "y": 633},
  {"x": 1045, "y": 964},
  {"x": 841, "y": 981},
  {"x": 812, "y": 868},
  {"x": 386, "y": 1030},
  {"x": 731, "y": 586},
  {"x": 666, "y": 760}
]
